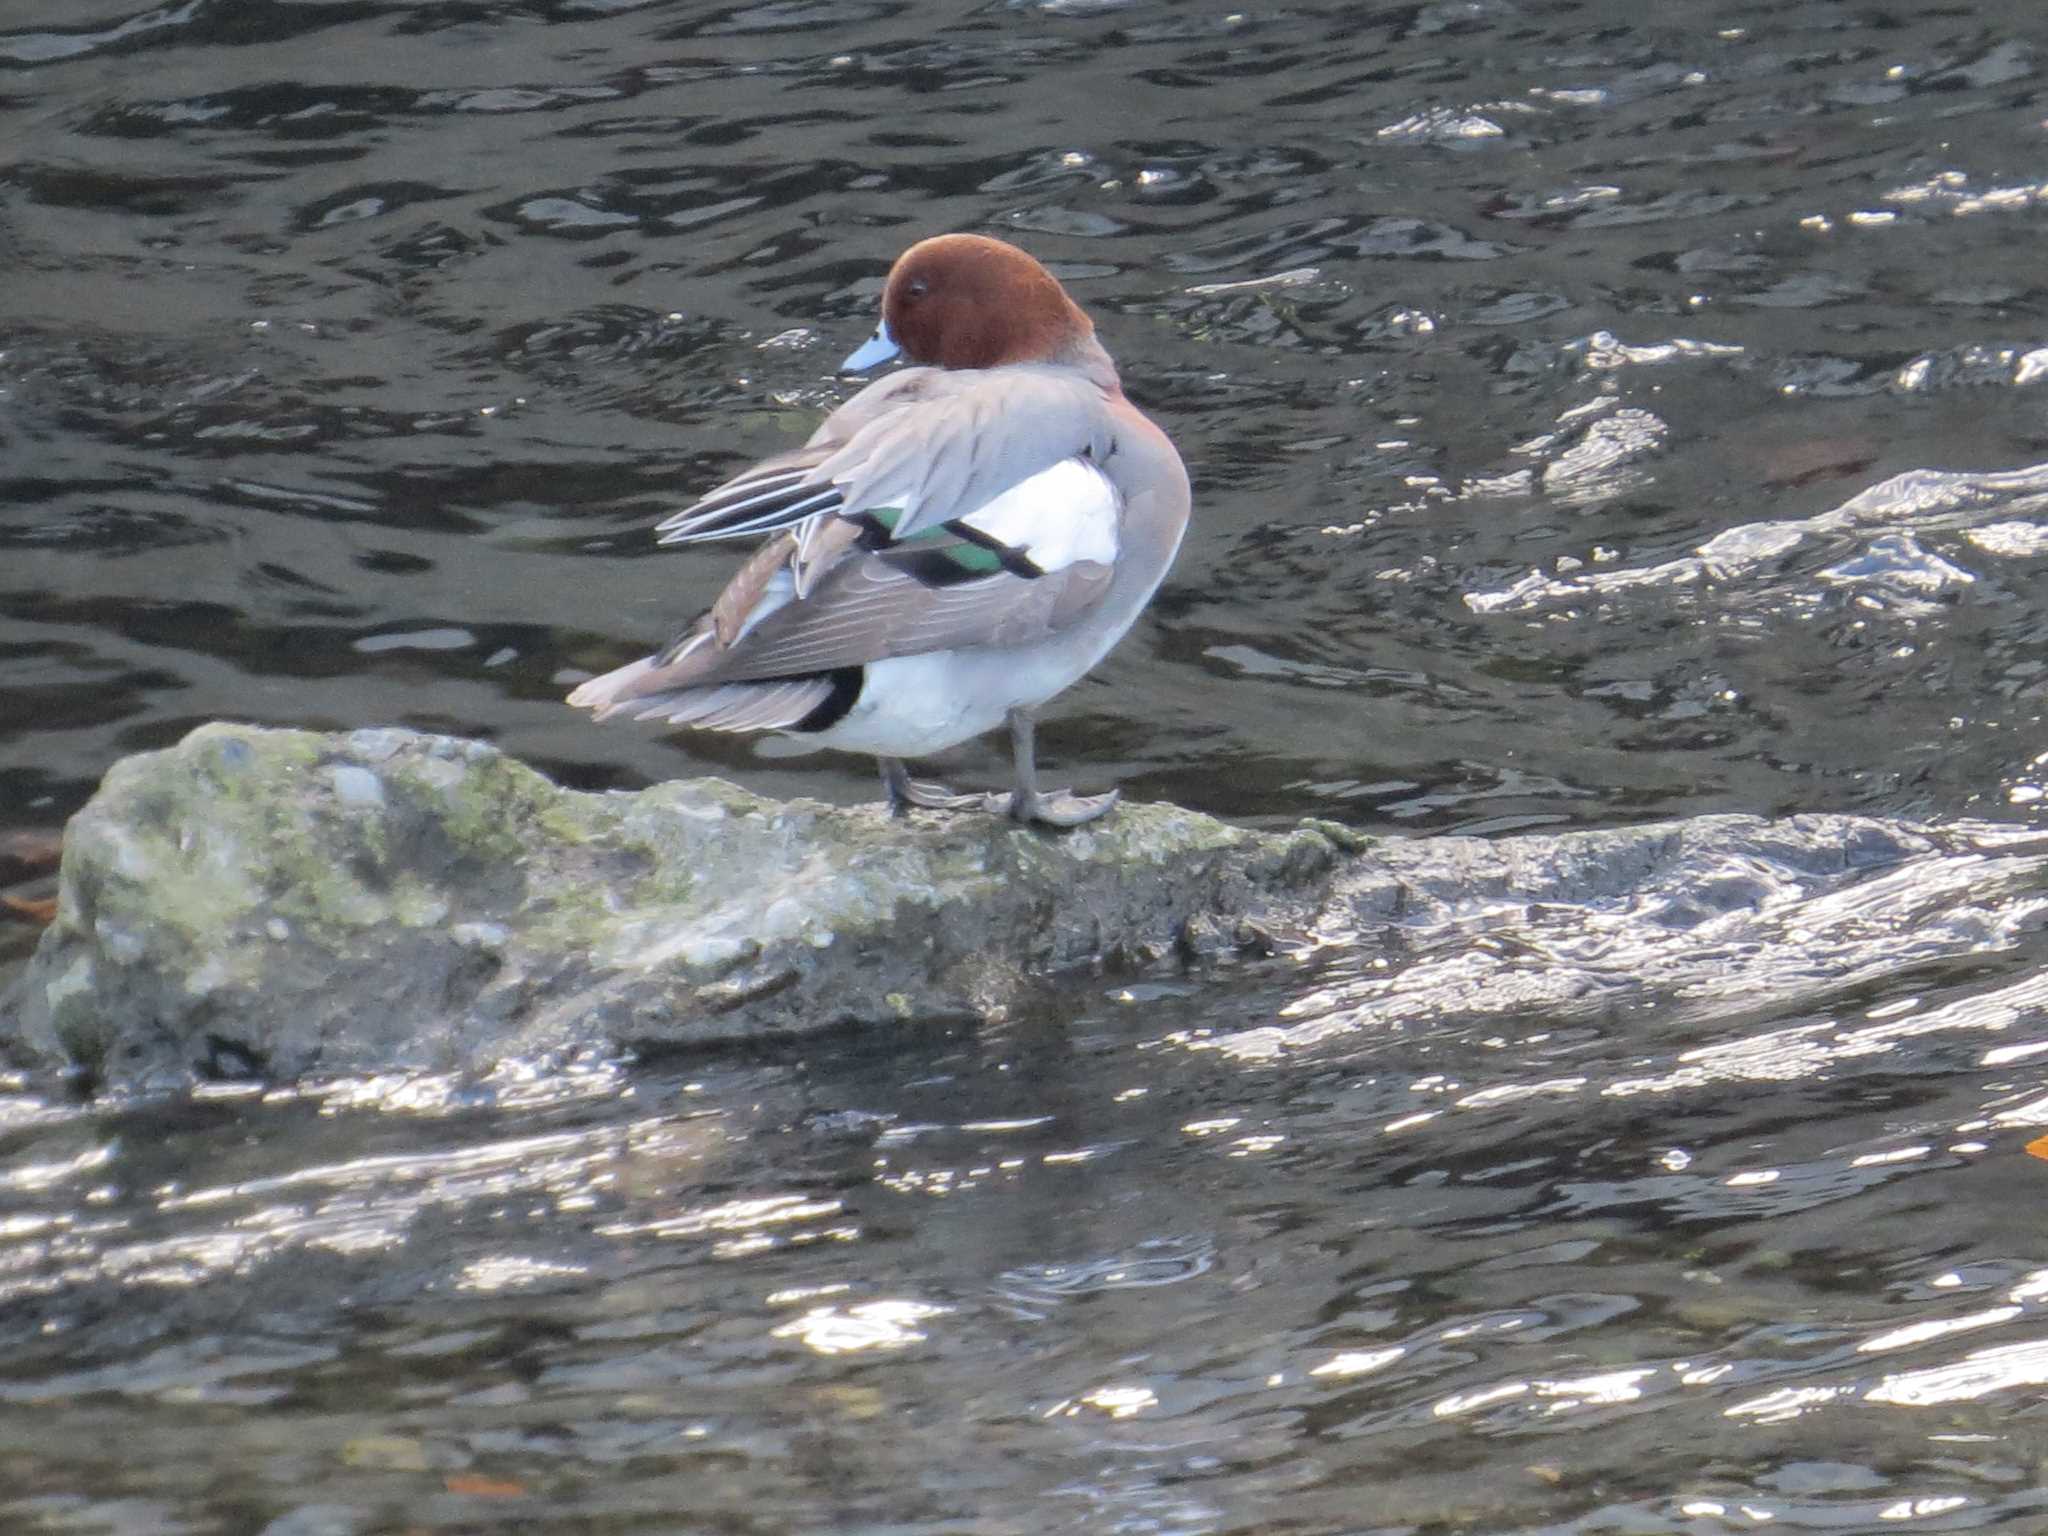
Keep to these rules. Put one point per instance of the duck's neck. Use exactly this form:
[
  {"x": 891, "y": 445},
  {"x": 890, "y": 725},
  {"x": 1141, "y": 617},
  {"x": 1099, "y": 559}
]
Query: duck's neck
[{"x": 1085, "y": 353}]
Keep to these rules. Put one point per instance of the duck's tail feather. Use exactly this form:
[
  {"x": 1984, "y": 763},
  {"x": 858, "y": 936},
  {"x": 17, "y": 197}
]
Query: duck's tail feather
[{"x": 644, "y": 690}]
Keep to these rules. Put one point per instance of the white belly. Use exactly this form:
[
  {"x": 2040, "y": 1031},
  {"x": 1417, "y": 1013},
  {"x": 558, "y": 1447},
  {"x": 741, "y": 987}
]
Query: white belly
[{"x": 913, "y": 706}]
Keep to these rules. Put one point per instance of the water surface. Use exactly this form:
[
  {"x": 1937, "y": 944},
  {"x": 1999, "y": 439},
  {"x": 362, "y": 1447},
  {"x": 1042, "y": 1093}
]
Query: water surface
[{"x": 1596, "y": 416}]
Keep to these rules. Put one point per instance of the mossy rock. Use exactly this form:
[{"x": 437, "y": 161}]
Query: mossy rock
[{"x": 286, "y": 902}]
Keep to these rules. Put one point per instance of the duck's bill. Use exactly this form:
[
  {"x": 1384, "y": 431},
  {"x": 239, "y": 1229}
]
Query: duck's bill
[{"x": 876, "y": 350}]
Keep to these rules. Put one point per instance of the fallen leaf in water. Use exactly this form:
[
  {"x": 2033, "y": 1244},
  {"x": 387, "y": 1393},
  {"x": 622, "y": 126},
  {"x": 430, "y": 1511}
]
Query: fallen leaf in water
[
  {"x": 1803, "y": 462},
  {"x": 42, "y": 912},
  {"x": 24, "y": 854},
  {"x": 855, "y": 1402},
  {"x": 479, "y": 1486},
  {"x": 385, "y": 1453},
  {"x": 2038, "y": 1147}
]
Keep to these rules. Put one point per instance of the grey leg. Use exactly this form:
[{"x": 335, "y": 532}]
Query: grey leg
[
  {"x": 903, "y": 791},
  {"x": 1055, "y": 807}
]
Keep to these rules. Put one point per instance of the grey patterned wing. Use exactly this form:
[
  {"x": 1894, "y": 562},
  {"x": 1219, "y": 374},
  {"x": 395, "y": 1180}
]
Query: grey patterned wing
[
  {"x": 775, "y": 494},
  {"x": 782, "y": 491},
  {"x": 870, "y": 609},
  {"x": 963, "y": 448}
]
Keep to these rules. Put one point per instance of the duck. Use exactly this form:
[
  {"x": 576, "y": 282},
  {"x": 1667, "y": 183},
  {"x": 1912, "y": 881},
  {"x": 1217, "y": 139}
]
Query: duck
[{"x": 959, "y": 542}]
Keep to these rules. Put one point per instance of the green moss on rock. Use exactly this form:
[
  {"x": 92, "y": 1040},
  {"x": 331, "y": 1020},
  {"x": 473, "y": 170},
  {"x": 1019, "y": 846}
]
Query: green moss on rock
[{"x": 385, "y": 898}]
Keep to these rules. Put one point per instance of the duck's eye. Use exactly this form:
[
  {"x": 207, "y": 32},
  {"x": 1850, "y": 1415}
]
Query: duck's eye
[{"x": 917, "y": 288}]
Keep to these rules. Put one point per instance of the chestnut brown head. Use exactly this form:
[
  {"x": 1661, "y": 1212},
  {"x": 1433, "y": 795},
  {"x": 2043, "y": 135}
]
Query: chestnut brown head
[{"x": 967, "y": 301}]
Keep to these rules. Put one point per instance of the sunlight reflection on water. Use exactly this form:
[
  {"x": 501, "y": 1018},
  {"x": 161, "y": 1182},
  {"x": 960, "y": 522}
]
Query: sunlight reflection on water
[{"x": 1595, "y": 419}]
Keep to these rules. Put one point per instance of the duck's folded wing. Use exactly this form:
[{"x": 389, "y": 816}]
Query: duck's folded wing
[
  {"x": 873, "y": 607},
  {"x": 773, "y": 495},
  {"x": 954, "y": 453},
  {"x": 782, "y": 491},
  {"x": 913, "y": 451}
]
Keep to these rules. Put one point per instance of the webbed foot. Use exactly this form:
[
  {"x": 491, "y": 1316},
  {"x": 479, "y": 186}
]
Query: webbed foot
[
  {"x": 1059, "y": 807},
  {"x": 903, "y": 792}
]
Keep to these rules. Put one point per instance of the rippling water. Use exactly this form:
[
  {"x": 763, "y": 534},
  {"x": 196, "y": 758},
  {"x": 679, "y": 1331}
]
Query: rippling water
[{"x": 1596, "y": 416}]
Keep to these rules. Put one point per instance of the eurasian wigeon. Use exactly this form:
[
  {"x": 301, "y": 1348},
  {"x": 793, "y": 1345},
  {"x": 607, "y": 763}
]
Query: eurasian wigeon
[{"x": 956, "y": 544}]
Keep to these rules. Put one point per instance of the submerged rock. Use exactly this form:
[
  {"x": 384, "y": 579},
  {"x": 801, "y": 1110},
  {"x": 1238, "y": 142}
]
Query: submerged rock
[{"x": 280, "y": 903}]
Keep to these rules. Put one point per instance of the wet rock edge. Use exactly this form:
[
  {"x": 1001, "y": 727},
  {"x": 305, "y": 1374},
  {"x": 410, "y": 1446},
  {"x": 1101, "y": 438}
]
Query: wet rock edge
[{"x": 282, "y": 903}]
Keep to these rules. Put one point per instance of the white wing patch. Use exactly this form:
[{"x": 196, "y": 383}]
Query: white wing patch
[{"x": 1057, "y": 516}]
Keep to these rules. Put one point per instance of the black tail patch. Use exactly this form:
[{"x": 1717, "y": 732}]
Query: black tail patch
[{"x": 846, "y": 686}]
